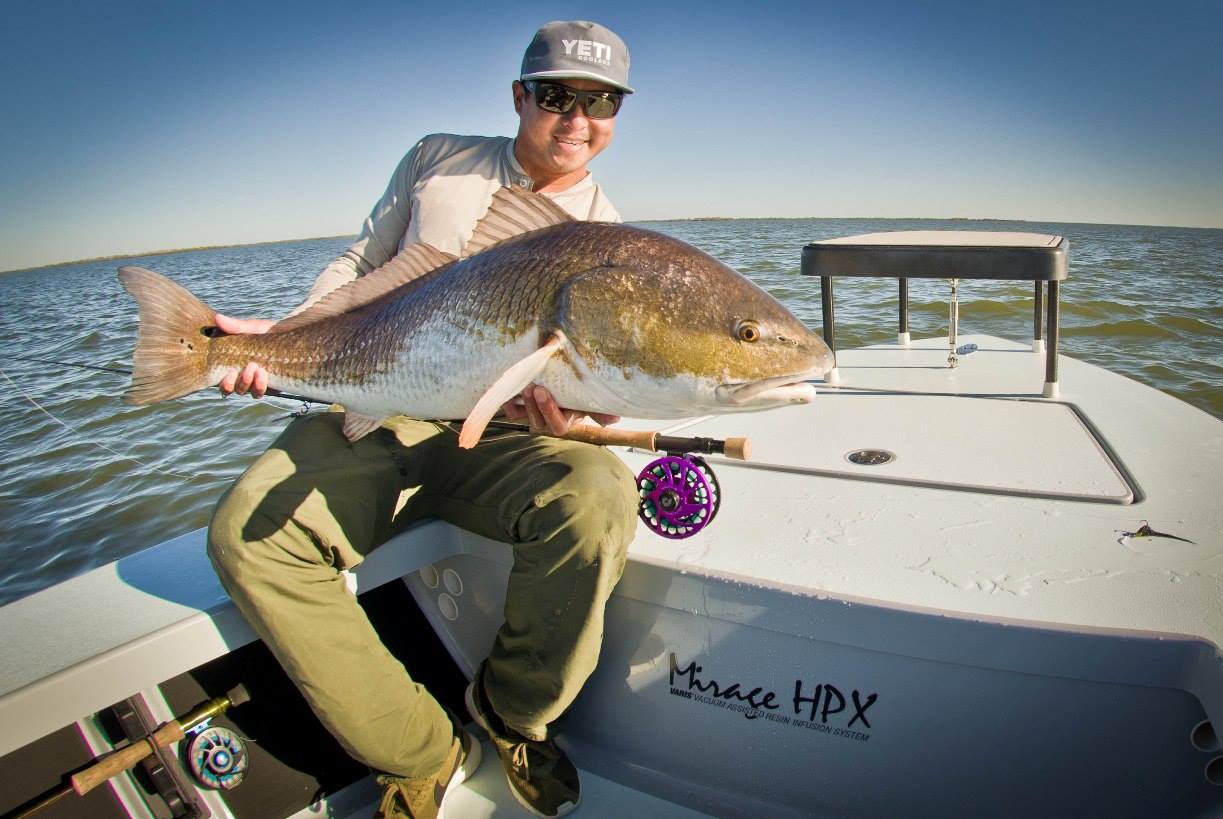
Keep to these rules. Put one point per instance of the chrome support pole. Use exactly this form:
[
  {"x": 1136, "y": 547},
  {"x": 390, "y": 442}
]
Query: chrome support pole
[
  {"x": 1051, "y": 390},
  {"x": 830, "y": 328},
  {"x": 1038, "y": 315},
  {"x": 902, "y": 333},
  {"x": 829, "y": 320},
  {"x": 953, "y": 324}
]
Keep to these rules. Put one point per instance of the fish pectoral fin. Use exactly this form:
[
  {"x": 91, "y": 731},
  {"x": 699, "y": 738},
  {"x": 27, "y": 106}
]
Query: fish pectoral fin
[
  {"x": 357, "y": 426},
  {"x": 511, "y": 382}
]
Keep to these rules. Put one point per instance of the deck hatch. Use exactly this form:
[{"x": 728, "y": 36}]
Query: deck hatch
[{"x": 1003, "y": 446}]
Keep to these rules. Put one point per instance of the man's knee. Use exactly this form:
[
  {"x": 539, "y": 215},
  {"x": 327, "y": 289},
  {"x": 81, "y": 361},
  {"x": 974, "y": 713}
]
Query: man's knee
[
  {"x": 254, "y": 531},
  {"x": 595, "y": 499},
  {"x": 228, "y": 547},
  {"x": 610, "y": 489}
]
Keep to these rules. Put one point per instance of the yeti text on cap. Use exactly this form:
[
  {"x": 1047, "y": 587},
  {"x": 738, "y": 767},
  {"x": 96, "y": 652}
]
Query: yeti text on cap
[{"x": 588, "y": 51}]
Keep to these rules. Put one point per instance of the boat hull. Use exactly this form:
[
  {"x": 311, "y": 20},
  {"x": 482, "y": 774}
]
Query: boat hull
[{"x": 742, "y": 700}]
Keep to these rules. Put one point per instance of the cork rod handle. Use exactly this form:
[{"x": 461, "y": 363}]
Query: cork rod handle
[{"x": 124, "y": 758}]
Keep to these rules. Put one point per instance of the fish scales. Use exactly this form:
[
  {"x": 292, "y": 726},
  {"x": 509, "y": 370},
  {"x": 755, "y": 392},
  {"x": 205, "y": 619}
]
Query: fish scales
[
  {"x": 610, "y": 318},
  {"x": 486, "y": 300}
]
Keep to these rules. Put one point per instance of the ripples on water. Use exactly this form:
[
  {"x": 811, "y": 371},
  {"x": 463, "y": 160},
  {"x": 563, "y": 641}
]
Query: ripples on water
[{"x": 1141, "y": 301}]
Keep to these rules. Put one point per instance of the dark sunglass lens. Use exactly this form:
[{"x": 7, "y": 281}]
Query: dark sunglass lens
[
  {"x": 555, "y": 98},
  {"x": 602, "y": 106}
]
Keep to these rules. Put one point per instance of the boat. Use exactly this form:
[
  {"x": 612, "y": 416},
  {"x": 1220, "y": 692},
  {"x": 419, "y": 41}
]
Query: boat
[{"x": 974, "y": 577}]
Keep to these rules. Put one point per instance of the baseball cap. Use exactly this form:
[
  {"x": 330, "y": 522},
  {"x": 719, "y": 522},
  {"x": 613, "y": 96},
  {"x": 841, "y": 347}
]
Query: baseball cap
[{"x": 577, "y": 48}]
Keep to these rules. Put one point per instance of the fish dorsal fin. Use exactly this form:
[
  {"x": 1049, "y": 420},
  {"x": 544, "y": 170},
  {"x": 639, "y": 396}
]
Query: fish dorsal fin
[
  {"x": 513, "y": 212},
  {"x": 413, "y": 264}
]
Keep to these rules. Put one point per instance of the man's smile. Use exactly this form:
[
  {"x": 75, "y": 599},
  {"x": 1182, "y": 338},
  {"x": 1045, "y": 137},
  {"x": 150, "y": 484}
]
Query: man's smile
[{"x": 571, "y": 142}]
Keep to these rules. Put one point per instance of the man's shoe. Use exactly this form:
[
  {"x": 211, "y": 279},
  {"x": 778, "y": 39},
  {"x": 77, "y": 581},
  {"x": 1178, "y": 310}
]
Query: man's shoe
[
  {"x": 541, "y": 777},
  {"x": 421, "y": 798}
]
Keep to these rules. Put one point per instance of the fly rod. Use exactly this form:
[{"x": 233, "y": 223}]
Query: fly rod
[
  {"x": 679, "y": 492},
  {"x": 738, "y": 448},
  {"x": 117, "y": 762}
]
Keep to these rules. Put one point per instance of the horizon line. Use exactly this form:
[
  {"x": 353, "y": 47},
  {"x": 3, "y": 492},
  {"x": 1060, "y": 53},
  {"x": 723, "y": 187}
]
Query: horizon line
[{"x": 223, "y": 246}]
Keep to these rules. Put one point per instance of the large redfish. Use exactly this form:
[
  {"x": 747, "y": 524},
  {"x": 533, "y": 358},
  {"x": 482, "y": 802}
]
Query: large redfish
[{"x": 609, "y": 318}]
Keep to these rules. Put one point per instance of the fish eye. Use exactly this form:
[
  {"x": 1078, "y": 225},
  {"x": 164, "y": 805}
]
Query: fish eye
[{"x": 748, "y": 330}]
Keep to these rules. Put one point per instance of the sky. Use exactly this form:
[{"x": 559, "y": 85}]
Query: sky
[{"x": 138, "y": 126}]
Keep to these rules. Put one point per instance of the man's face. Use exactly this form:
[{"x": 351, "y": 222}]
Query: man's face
[{"x": 555, "y": 145}]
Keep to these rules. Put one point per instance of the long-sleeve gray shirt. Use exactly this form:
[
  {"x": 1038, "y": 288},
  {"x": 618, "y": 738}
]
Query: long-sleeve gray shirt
[{"x": 437, "y": 194}]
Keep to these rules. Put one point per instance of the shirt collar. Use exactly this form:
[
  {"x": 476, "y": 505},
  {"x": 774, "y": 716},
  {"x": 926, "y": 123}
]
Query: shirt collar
[{"x": 517, "y": 175}]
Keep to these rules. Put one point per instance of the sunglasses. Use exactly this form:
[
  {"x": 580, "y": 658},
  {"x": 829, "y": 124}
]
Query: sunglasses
[{"x": 560, "y": 99}]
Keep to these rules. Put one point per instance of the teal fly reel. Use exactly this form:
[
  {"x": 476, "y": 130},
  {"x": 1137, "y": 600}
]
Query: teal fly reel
[{"x": 217, "y": 758}]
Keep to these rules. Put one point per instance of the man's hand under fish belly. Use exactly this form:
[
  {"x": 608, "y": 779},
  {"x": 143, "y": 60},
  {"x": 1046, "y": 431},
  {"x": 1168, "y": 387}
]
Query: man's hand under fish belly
[{"x": 542, "y": 412}]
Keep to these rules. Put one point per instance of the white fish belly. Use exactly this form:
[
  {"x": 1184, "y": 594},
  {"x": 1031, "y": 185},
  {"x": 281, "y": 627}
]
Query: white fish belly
[
  {"x": 438, "y": 374},
  {"x": 602, "y": 386},
  {"x": 636, "y": 394}
]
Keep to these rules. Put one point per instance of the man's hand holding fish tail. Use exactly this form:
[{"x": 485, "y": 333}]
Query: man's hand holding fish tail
[{"x": 252, "y": 378}]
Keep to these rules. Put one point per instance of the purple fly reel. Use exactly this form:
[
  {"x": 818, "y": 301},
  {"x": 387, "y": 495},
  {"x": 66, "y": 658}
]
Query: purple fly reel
[{"x": 679, "y": 495}]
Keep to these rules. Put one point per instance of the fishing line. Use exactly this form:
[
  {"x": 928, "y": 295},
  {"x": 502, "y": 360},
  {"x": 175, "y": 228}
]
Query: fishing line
[
  {"x": 270, "y": 392},
  {"x": 118, "y": 370},
  {"x": 98, "y": 444},
  {"x": 303, "y": 410}
]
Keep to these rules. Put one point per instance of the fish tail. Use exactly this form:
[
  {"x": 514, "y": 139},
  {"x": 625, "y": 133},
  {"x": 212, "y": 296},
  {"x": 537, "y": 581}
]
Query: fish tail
[{"x": 173, "y": 340}]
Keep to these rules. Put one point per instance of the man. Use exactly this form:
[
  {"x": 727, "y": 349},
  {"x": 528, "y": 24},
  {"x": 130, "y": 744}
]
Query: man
[{"x": 314, "y": 504}]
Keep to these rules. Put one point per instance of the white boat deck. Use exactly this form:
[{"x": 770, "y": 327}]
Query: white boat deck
[
  {"x": 1000, "y": 505},
  {"x": 486, "y": 796}
]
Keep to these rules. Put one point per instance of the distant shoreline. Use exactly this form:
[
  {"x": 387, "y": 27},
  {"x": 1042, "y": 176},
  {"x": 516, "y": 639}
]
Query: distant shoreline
[{"x": 169, "y": 251}]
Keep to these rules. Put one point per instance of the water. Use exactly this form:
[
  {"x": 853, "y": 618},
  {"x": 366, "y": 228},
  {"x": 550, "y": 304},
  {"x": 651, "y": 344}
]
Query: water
[{"x": 1142, "y": 301}]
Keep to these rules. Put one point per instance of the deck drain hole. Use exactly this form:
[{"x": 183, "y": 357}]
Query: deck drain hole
[
  {"x": 428, "y": 575},
  {"x": 1203, "y": 736},
  {"x": 447, "y": 606},
  {"x": 1214, "y": 771},
  {"x": 870, "y": 457}
]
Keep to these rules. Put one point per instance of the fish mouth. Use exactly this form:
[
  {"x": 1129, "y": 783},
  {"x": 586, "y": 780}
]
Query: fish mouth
[{"x": 768, "y": 392}]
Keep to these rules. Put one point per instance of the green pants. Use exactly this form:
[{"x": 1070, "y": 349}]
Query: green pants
[{"x": 314, "y": 504}]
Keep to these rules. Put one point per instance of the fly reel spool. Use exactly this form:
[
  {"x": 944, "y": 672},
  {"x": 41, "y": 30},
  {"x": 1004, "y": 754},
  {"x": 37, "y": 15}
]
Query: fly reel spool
[
  {"x": 217, "y": 758},
  {"x": 679, "y": 495}
]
